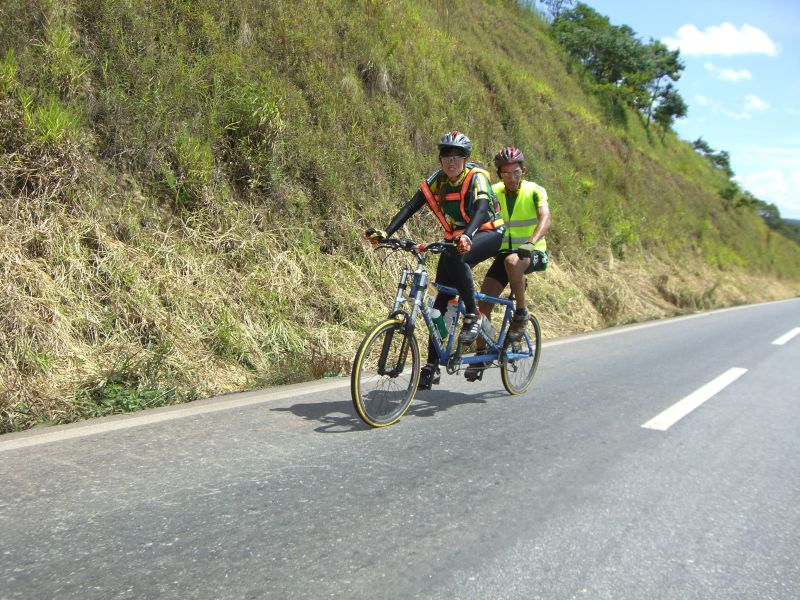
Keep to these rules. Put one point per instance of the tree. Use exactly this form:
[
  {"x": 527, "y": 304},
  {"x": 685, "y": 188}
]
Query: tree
[
  {"x": 770, "y": 213},
  {"x": 671, "y": 106},
  {"x": 664, "y": 67},
  {"x": 556, "y": 7},
  {"x": 702, "y": 146},
  {"x": 628, "y": 70},
  {"x": 748, "y": 200},
  {"x": 608, "y": 52},
  {"x": 722, "y": 160}
]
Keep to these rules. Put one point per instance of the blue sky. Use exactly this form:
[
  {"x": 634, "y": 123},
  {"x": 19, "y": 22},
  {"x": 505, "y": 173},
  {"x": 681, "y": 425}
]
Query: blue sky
[{"x": 741, "y": 82}]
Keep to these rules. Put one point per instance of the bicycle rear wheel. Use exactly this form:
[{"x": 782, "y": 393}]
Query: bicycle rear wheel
[
  {"x": 385, "y": 374},
  {"x": 517, "y": 373}
]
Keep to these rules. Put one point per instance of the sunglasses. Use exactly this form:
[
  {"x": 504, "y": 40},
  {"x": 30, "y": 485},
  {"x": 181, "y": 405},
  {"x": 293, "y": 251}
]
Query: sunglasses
[{"x": 452, "y": 158}]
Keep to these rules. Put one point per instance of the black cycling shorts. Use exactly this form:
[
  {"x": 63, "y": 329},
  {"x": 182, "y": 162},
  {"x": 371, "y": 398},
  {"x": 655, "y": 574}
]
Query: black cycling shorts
[{"x": 497, "y": 271}]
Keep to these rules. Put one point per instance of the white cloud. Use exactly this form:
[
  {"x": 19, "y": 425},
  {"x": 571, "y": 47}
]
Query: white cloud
[
  {"x": 778, "y": 187},
  {"x": 729, "y": 74},
  {"x": 754, "y": 103},
  {"x": 723, "y": 39}
]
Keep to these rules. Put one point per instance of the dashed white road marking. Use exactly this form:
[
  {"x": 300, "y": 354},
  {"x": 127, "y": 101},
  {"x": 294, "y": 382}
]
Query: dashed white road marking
[
  {"x": 786, "y": 337},
  {"x": 680, "y": 409}
]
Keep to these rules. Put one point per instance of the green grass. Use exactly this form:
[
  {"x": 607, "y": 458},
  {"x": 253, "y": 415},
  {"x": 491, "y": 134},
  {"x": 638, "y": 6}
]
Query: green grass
[{"x": 183, "y": 207}]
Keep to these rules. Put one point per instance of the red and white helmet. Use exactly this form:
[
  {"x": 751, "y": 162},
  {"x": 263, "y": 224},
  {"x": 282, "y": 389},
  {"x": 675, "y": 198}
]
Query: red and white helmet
[{"x": 507, "y": 156}]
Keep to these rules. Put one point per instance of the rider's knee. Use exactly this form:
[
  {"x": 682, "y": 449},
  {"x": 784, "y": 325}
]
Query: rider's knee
[{"x": 516, "y": 266}]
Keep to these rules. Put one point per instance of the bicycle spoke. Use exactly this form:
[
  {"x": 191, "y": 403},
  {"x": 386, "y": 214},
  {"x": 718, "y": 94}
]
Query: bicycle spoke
[
  {"x": 385, "y": 374},
  {"x": 517, "y": 373}
]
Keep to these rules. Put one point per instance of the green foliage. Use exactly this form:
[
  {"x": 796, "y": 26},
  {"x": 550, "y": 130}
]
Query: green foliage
[
  {"x": 720, "y": 160},
  {"x": 702, "y": 146},
  {"x": 772, "y": 217},
  {"x": 557, "y": 7},
  {"x": 662, "y": 101},
  {"x": 625, "y": 69},
  {"x": 115, "y": 397},
  {"x": 624, "y": 236},
  {"x": 730, "y": 192},
  {"x": 191, "y": 169},
  {"x": 734, "y": 196},
  {"x": 8, "y": 73},
  {"x": 608, "y": 52},
  {"x": 64, "y": 66},
  {"x": 585, "y": 186},
  {"x": 671, "y": 106},
  {"x": 52, "y": 122}
]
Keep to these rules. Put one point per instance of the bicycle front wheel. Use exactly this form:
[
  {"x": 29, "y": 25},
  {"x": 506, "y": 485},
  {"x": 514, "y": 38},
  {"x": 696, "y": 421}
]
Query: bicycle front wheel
[
  {"x": 517, "y": 373},
  {"x": 385, "y": 374}
]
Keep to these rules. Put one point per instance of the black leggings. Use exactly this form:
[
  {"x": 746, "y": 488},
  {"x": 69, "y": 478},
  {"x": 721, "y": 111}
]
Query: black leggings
[{"x": 455, "y": 270}]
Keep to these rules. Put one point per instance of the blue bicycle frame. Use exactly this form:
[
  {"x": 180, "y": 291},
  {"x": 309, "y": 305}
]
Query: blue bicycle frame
[
  {"x": 494, "y": 351},
  {"x": 494, "y": 346}
]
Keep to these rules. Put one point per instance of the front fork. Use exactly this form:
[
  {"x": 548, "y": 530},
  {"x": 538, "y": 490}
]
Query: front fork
[
  {"x": 405, "y": 329},
  {"x": 408, "y": 325}
]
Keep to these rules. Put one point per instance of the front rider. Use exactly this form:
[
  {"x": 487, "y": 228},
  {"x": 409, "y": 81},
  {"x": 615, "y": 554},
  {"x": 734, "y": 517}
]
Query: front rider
[{"x": 460, "y": 196}]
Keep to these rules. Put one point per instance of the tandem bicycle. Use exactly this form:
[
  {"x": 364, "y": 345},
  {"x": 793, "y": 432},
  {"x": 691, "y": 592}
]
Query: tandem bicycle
[{"x": 386, "y": 367}]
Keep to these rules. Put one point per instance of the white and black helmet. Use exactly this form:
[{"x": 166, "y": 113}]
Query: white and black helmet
[{"x": 455, "y": 139}]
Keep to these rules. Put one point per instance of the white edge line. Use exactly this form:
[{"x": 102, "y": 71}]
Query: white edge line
[
  {"x": 34, "y": 437},
  {"x": 680, "y": 409},
  {"x": 580, "y": 337},
  {"x": 786, "y": 337}
]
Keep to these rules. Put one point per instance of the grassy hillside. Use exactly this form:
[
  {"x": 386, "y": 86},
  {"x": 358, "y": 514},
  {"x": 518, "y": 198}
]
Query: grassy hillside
[{"x": 184, "y": 184}]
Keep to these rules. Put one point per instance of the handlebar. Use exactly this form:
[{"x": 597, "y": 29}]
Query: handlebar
[{"x": 409, "y": 245}]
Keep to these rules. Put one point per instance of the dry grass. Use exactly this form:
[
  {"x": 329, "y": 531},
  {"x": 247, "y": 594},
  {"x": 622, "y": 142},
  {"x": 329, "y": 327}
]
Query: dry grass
[
  {"x": 111, "y": 300},
  {"x": 572, "y": 297}
]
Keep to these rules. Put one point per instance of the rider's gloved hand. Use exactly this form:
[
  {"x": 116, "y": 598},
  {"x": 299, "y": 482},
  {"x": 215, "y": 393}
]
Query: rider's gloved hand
[
  {"x": 525, "y": 250},
  {"x": 463, "y": 243},
  {"x": 376, "y": 236}
]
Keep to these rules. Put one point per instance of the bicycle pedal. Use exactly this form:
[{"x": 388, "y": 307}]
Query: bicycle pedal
[{"x": 473, "y": 375}]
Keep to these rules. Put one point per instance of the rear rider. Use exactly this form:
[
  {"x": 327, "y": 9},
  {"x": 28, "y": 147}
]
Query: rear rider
[
  {"x": 460, "y": 196},
  {"x": 524, "y": 208}
]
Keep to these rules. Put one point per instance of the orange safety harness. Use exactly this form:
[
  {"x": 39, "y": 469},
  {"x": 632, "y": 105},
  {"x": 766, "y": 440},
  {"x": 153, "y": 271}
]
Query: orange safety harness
[{"x": 450, "y": 232}]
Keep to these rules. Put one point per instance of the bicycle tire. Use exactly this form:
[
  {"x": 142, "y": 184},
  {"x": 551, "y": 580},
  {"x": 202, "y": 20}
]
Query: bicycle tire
[
  {"x": 380, "y": 399},
  {"x": 517, "y": 375}
]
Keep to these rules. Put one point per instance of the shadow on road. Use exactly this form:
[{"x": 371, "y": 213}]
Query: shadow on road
[
  {"x": 340, "y": 416},
  {"x": 335, "y": 416}
]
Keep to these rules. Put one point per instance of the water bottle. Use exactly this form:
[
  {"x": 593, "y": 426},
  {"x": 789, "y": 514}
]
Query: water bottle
[
  {"x": 450, "y": 315},
  {"x": 438, "y": 320}
]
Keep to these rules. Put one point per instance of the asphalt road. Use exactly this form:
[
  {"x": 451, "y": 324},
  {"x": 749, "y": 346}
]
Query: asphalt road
[{"x": 562, "y": 493}]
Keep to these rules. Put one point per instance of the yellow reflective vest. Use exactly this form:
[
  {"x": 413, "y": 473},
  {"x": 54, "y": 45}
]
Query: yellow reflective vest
[{"x": 521, "y": 224}]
